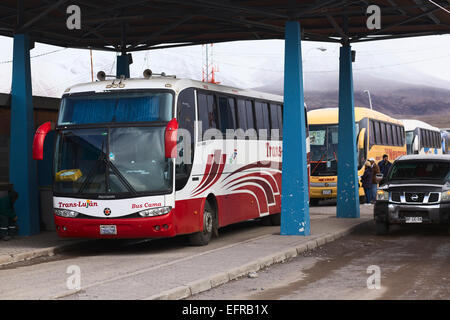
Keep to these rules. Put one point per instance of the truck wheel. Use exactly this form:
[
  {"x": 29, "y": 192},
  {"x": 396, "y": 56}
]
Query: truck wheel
[
  {"x": 203, "y": 237},
  {"x": 381, "y": 228}
]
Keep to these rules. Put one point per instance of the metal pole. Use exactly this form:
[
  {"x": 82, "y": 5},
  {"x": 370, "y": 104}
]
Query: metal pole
[
  {"x": 347, "y": 182},
  {"x": 370, "y": 100},
  {"x": 22, "y": 167},
  {"x": 294, "y": 190}
]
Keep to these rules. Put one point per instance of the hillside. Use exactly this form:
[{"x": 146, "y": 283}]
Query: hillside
[{"x": 396, "y": 99}]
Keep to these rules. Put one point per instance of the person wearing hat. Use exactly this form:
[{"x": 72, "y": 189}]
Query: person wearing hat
[
  {"x": 8, "y": 217},
  {"x": 366, "y": 181},
  {"x": 375, "y": 171}
]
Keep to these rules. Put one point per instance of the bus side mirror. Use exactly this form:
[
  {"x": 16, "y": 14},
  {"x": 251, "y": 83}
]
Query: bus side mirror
[
  {"x": 361, "y": 138},
  {"x": 170, "y": 139},
  {"x": 39, "y": 138}
]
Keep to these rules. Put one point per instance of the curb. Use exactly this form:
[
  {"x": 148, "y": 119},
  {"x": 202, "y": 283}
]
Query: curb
[
  {"x": 6, "y": 260},
  {"x": 201, "y": 285}
]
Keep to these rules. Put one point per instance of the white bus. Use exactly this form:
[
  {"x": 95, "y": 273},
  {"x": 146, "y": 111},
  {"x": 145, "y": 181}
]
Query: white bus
[
  {"x": 161, "y": 156},
  {"x": 422, "y": 138}
]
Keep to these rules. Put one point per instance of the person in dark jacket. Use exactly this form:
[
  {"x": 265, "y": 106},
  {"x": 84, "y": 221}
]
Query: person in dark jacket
[
  {"x": 375, "y": 172},
  {"x": 384, "y": 165},
  {"x": 8, "y": 217},
  {"x": 366, "y": 181}
]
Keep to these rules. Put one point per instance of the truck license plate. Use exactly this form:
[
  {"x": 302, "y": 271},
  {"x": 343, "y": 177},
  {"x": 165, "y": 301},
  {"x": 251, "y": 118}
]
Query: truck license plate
[
  {"x": 108, "y": 229},
  {"x": 413, "y": 219}
]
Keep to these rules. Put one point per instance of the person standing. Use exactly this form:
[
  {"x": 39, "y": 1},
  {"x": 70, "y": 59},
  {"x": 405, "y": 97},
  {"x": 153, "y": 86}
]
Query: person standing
[
  {"x": 8, "y": 217},
  {"x": 375, "y": 171},
  {"x": 366, "y": 181},
  {"x": 384, "y": 165}
]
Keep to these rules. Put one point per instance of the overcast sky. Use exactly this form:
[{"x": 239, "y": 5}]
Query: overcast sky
[{"x": 246, "y": 64}]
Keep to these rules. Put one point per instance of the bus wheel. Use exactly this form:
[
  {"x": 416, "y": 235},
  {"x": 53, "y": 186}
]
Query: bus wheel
[
  {"x": 313, "y": 202},
  {"x": 202, "y": 238}
]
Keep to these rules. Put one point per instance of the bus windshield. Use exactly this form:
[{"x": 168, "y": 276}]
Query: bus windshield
[
  {"x": 324, "y": 148},
  {"x": 149, "y": 106},
  {"x": 128, "y": 160}
]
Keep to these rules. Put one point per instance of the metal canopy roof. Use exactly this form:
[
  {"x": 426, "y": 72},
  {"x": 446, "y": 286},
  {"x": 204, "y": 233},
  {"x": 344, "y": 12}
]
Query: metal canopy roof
[{"x": 131, "y": 25}]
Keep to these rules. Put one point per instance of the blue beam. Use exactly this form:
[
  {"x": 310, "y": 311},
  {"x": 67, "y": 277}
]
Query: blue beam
[
  {"x": 22, "y": 167},
  {"x": 123, "y": 65},
  {"x": 347, "y": 182},
  {"x": 294, "y": 186}
]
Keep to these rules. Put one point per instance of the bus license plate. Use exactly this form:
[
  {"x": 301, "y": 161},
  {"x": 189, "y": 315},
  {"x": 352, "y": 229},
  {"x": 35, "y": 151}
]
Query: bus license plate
[
  {"x": 413, "y": 219},
  {"x": 326, "y": 192},
  {"x": 108, "y": 229}
]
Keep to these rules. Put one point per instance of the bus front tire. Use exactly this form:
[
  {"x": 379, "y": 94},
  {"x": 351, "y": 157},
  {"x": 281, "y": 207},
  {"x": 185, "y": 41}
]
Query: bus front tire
[{"x": 203, "y": 237}]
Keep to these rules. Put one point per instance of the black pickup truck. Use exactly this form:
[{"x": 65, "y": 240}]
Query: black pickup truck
[{"x": 415, "y": 190}]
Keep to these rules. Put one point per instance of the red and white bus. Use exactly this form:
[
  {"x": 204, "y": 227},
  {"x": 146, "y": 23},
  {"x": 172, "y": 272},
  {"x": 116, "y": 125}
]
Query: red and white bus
[{"x": 161, "y": 156}]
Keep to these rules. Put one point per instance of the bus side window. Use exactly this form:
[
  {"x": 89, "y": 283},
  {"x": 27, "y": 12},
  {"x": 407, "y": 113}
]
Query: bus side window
[
  {"x": 403, "y": 135},
  {"x": 226, "y": 112},
  {"x": 259, "y": 116},
  {"x": 437, "y": 140},
  {"x": 421, "y": 138},
  {"x": 280, "y": 119},
  {"x": 390, "y": 140},
  {"x": 274, "y": 121},
  {"x": 426, "y": 141},
  {"x": 202, "y": 113},
  {"x": 383, "y": 133},
  {"x": 241, "y": 115},
  {"x": 207, "y": 112},
  {"x": 232, "y": 113},
  {"x": 371, "y": 134},
  {"x": 378, "y": 139},
  {"x": 262, "y": 120},
  {"x": 249, "y": 113},
  {"x": 185, "y": 148},
  {"x": 394, "y": 135}
]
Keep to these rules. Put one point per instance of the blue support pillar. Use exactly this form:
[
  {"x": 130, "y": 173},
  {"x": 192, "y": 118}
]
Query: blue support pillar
[
  {"x": 294, "y": 190},
  {"x": 123, "y": 65},
  {"x": 347, "y": 182},
  {"x": 22, "y": 167}
]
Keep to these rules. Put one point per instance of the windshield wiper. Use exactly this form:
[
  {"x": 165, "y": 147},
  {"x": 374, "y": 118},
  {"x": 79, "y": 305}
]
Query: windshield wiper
[
  {"x": 121, "y": 177},
  {"x": 108, "y": 165},
  {"x": 91, "y": 173}
]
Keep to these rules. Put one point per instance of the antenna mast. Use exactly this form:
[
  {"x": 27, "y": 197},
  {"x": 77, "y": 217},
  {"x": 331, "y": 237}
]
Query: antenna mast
[{"x": 209, "y": 69}]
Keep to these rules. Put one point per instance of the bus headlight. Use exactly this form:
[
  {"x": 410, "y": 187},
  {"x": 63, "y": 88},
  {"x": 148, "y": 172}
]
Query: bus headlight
[
  {"x": 155, "y": 212},
  {"x": 66, "y": 213},
  {"x": 445, "y": 196},
  {"x": 382, "y": 195}
]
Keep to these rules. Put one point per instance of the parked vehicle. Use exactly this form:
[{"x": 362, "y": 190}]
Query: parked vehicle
[
  {"x": 163, "y": 156},
  {"x": 416, "y": 190},
  {"x": 422, "y": 138},
  {"x": 376, "y": 134}
]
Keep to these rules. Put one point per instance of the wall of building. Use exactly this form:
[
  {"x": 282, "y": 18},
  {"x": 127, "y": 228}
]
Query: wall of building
[{"x": 45, "y": 109}]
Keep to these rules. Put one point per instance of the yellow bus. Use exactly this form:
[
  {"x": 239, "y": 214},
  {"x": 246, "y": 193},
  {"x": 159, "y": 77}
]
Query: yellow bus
[{"x": 376, "y": 134}]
